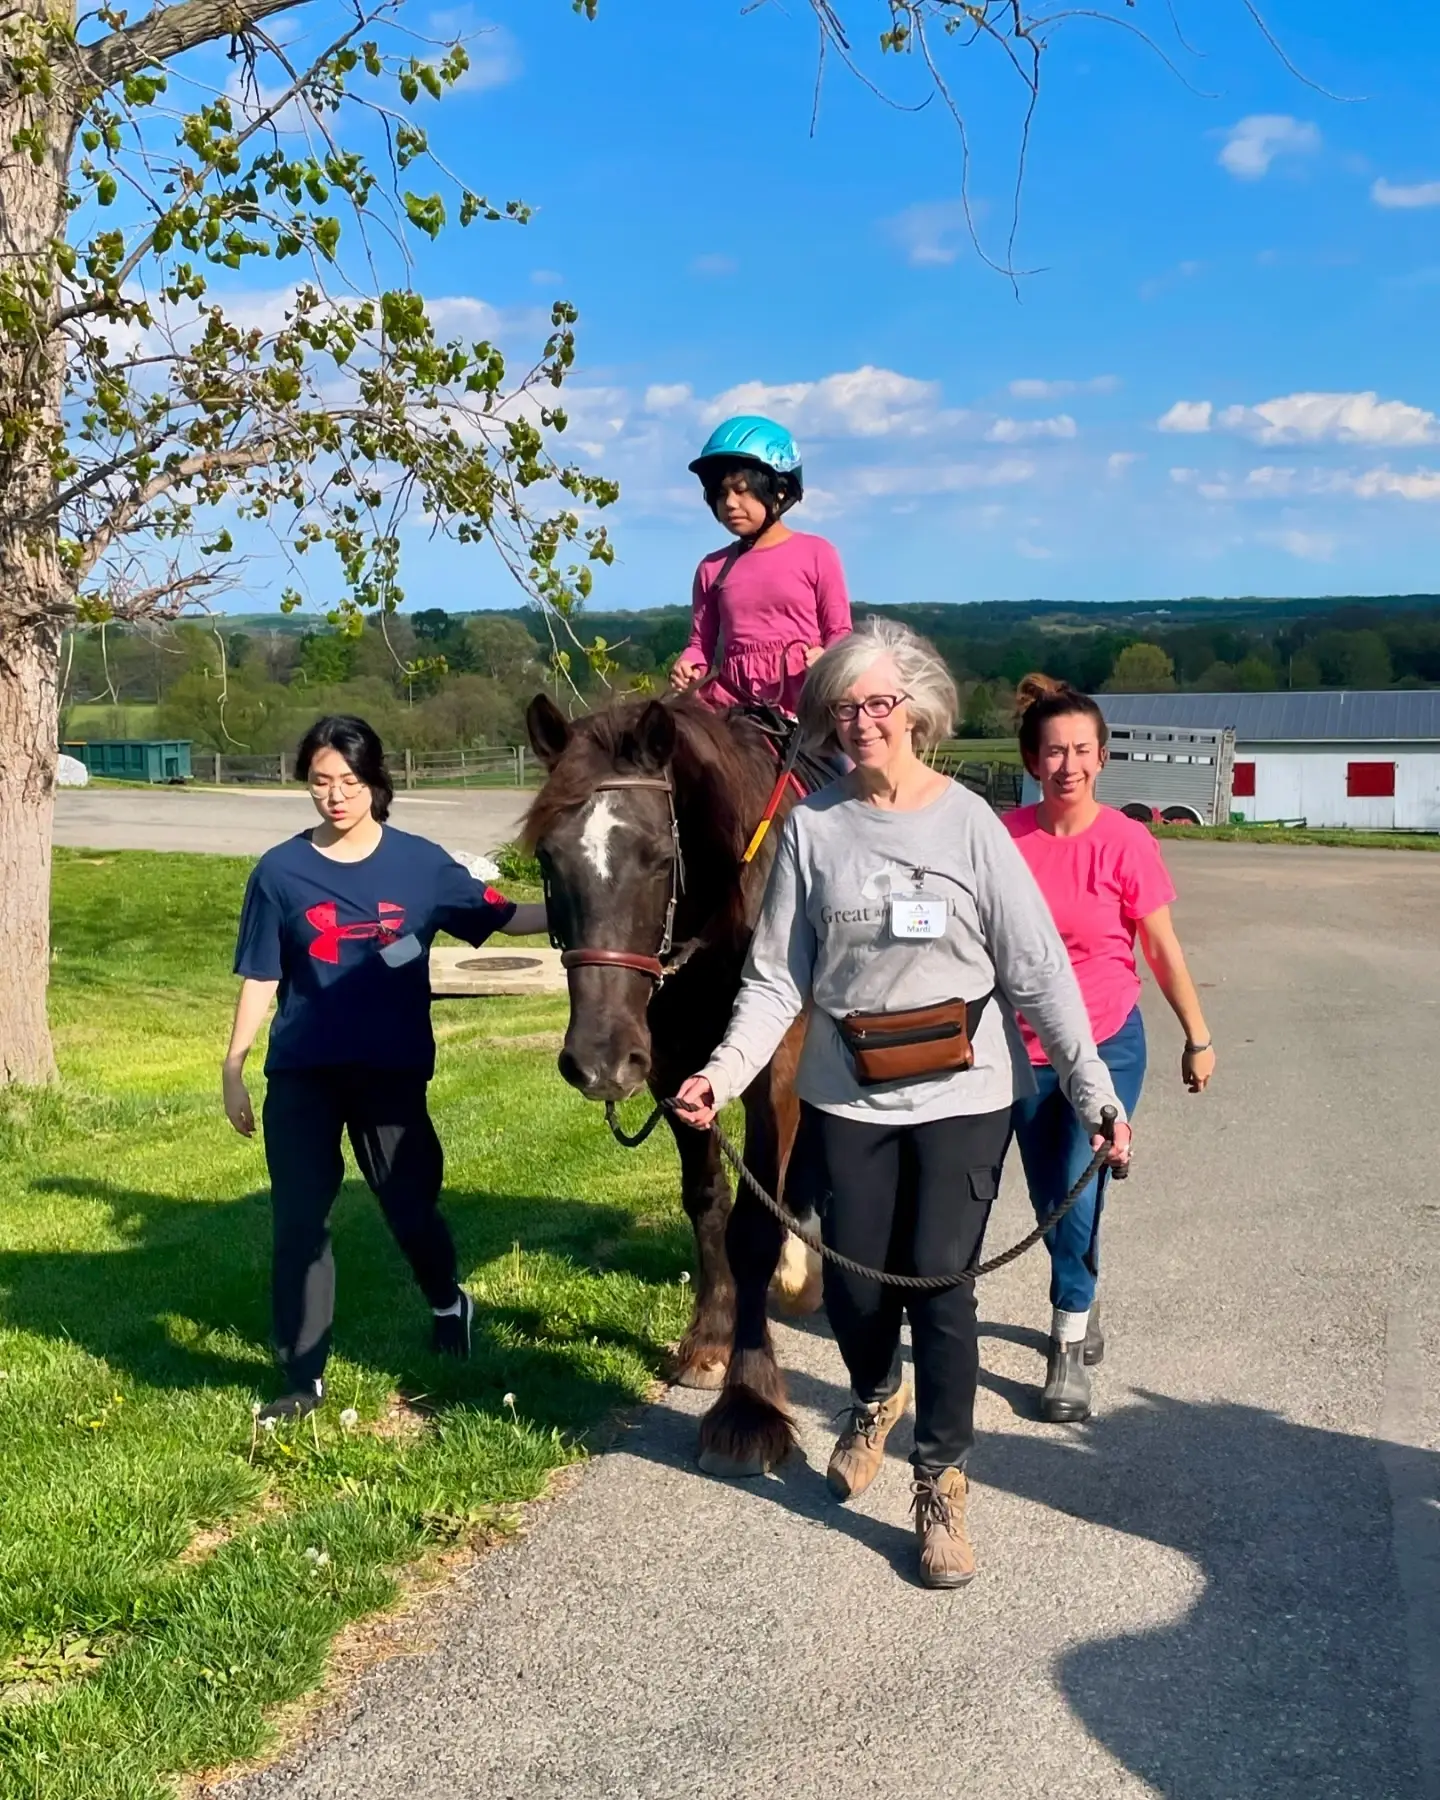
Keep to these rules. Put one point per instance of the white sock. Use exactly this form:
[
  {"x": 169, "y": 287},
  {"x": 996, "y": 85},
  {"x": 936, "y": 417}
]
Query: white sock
[
  {"x": 453, "y": 1312},
  {"x": 1068, "y": 1328}
]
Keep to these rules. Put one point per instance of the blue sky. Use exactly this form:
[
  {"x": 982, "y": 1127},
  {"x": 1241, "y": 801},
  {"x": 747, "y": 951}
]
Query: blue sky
[{"x": 1223, "y": 380}]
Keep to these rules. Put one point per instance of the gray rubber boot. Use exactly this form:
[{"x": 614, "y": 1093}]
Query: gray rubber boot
[
  {"x": 1094, "y": 1339},
  {"x": 1065, "y": 1399}
]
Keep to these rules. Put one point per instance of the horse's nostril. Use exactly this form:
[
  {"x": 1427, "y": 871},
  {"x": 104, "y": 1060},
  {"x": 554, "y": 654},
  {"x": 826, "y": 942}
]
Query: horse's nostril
[{"x": 570, "y": 1070}]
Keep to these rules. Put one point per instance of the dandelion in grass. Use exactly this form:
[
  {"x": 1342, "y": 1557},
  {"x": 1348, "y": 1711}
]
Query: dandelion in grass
[
  {"x": 684, "y": 1278},
  {"x": 349, "y": 1419},
  {"x": 319, "y": 1558},
  {"x": 509, "y": 1400},
  {"x": 268, "y": 1427},
  {"x": 254, "y": 1409}
]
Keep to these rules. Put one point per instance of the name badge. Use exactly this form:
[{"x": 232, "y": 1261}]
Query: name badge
[
  {"x": 917, "y": 916},
  {"x": 403, "y": 950}
]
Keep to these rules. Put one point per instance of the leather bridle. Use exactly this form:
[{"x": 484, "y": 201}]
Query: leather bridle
[{"x": 652, "y": 967}]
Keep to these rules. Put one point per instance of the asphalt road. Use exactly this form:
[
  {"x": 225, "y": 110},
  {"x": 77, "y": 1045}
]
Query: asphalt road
[
  {"x": 246, "y": 821},
  {"x": 1227, "y": 1585}
]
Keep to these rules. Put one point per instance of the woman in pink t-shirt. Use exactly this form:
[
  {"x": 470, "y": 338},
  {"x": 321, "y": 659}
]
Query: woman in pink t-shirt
[
  {"x": 772, "y": 601},
  {"x": 1106, "y": 884}
]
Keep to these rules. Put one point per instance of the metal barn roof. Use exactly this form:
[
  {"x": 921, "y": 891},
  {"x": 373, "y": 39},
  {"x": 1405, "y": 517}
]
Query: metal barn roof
[{"x": 1338, "y": 715}]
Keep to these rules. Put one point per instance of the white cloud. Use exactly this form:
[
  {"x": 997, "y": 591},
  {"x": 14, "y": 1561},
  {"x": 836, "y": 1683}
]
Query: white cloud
[
  {"x": 462, "y": 315},
  {"x": 546, "y": 277},
  {"x": 1277, "y": 482},
  {"x": 1118, "y": 461},
  {"x": 1059, "y": 390},
  {"x": 664, "y": 397},
  {"x": 713, "y": 264},
  {"x": 1254, "y": 143},
  {"x": 1309, "y": 546},
  {"x": 1419, "y": 484},
  {"x": 1391, "y": 194},
  {"x": 926, "y": 232},
  {"x": 1332, "y": 419},
  {"x": 1032, "y": 552},
  {"x": 1187, "y": 415},
  {"x": 1184, "y": 477},
  {"x": 866, "y": 402},
  {"x": 940, "y": 478},
  {"x": 1024, "y": 431}
]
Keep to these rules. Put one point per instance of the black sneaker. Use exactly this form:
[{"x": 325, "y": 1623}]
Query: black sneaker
[
  {"x": 452, "y": 1330},
  {"x": 295, "y": 1405}
]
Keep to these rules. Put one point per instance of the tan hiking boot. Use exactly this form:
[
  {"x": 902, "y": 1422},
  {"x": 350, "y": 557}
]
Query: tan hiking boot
[
  {"x": 947, "y": 1557},
  {"x": 860, "y": 1449}
]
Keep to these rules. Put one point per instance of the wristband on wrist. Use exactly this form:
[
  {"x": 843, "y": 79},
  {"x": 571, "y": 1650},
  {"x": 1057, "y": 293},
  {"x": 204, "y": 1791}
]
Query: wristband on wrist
[{"x": 1198, "y": 1049}]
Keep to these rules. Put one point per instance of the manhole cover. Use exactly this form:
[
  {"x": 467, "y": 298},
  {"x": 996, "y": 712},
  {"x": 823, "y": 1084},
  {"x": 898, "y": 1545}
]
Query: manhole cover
[{"x": 501, "y": 965}]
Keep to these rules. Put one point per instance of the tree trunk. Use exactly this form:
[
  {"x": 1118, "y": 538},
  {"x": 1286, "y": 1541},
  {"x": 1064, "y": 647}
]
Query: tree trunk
[
  {"x": 35, "y": 593},
  {"x": 28, "y": 668}
]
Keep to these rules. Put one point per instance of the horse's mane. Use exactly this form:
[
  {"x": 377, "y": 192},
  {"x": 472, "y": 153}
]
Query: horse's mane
[{"x": 722, "y": 770}]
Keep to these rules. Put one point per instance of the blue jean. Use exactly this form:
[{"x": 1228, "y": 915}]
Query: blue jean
[{"x": 1055, "y": 1148}]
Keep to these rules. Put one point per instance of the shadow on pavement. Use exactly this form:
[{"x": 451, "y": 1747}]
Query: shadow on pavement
[{"x": 1288, "y": 1678}]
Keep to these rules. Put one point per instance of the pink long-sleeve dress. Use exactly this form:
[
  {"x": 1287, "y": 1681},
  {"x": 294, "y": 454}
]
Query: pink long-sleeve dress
[{"x": 771, "y": 607}]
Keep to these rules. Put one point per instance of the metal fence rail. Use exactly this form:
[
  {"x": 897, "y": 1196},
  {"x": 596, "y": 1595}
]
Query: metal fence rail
[
  {"x": 502, "y": 767},
  {"x": 995, "y": 782}
]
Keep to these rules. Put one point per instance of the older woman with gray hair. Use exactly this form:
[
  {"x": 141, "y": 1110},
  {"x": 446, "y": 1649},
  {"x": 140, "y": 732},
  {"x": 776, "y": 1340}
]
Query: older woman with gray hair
[{"x": 900, "y": 911}]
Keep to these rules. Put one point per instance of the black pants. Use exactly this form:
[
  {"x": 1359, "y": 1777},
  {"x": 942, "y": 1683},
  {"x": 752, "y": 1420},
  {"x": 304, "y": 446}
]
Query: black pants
[
  {"x": 400, "y": 1157},
  {"x": 913, "y": 1199}
]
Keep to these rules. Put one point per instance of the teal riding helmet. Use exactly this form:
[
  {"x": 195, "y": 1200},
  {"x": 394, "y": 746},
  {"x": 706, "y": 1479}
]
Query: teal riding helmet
[{"x": 760, "y": 442}]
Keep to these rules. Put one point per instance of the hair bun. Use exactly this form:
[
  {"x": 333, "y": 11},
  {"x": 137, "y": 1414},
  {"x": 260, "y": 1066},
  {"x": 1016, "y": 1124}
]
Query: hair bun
[{"x": 1033, "y": 687}]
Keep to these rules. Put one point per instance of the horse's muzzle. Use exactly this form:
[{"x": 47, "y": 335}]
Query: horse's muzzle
[{"x": 613, "y": 1076}]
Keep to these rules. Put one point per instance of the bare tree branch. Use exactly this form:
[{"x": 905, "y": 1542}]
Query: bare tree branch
[{"x": 171, "y": 30}]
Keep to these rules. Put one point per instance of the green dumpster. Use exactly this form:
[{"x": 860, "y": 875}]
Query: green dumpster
[{"x": 135, "y": 759}]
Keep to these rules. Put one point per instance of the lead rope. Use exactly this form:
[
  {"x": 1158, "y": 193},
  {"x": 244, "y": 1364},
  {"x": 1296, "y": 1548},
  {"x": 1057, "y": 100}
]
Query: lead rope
[{"x": 920, "y": 1283}]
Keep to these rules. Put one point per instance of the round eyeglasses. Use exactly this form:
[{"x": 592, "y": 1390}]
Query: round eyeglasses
[{"x": 874, "y": 706}]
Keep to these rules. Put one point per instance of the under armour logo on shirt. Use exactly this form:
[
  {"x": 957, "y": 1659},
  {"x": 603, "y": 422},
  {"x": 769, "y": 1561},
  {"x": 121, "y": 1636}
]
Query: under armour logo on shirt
[{"x": 331, "y": 934}]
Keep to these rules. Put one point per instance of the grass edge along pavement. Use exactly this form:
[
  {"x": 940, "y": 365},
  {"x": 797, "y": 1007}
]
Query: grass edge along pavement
[{"x": 170, "y": 1576}]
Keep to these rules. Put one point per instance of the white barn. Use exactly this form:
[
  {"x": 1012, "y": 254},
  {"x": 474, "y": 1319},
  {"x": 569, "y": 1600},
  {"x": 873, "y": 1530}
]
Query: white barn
[{"x": 1369, "y": 761}]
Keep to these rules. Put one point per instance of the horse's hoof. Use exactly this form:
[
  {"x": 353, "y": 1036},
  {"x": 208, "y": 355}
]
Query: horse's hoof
[
  {"x": 733, "y": 1468},
  {"x": 706, "y": 1375}
]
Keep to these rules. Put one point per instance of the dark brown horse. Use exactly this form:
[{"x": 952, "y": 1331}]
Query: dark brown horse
[{"x": 641, "y": 830}]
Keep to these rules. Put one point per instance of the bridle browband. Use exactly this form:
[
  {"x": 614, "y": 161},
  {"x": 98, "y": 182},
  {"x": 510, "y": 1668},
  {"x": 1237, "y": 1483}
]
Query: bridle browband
[{"x": 652, "y": 967}]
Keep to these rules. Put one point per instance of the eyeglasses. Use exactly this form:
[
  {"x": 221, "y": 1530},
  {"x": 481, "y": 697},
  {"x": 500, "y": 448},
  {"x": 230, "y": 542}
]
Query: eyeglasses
[
  {"x": 347, "y": 786},
  {"x": 874, "y": 706}
]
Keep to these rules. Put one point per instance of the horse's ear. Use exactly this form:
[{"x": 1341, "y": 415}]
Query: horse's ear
[
  {"x": 548, "y": 729},
  {"x": 655, "y": 736}
]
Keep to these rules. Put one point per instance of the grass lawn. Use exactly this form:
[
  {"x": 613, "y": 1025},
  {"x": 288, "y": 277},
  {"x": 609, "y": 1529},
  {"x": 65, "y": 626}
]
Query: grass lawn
[
  {"x": 166, "y": 1574},
  {"x": 1277, "y": 834}
]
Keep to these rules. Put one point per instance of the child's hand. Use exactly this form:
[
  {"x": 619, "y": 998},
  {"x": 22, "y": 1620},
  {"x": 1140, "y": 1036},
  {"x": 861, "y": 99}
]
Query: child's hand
[
  {"x": 685, "y": 674},
  {"x": 813, "y": 653}
]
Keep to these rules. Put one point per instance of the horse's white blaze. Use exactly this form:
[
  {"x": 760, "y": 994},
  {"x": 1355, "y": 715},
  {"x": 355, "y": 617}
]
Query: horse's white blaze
[{"x": 601, "y": 825}]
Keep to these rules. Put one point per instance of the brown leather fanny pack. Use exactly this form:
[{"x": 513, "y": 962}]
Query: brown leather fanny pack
[{"x": 904, "y": 1046}]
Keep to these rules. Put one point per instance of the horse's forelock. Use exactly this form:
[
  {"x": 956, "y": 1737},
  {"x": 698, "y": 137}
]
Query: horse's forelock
[{"x": 714, "y": 766}]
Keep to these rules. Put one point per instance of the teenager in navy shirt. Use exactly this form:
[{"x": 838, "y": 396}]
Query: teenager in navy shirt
[{"x": 339, "y": 920}]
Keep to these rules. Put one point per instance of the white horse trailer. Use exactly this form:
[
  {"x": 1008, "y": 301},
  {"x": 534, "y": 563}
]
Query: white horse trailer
[{"x": 1163, "y": 772}]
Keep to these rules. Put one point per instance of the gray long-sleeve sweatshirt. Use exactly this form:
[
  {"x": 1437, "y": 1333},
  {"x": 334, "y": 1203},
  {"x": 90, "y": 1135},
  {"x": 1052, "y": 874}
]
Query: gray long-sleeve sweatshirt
[{"x": 825, "y": 936}]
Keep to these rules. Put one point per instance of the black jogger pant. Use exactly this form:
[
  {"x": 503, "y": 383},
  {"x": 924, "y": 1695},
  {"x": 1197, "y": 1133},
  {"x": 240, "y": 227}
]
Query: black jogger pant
[
  {"x": 914, "y": 1199},
  {"x": 394, "y": 1141}
]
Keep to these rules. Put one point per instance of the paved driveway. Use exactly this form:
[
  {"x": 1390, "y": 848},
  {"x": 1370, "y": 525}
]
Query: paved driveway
[
  {"x": 1227, "y": 1587},
  {"x": 247, "y": 821}
]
